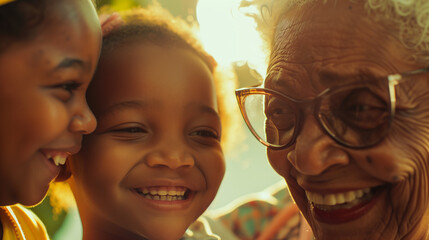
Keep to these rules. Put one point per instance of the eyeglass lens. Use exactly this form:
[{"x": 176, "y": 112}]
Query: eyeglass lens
[{"x": 354, "y": 117}]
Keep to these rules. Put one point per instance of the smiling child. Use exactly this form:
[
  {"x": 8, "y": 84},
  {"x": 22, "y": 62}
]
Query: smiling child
[
  {"x": 48, "y": 53},
  {"x": 155, "y": 162}
]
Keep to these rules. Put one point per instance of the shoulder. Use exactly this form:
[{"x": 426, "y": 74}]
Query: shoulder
[
  {"x": 30, "y": 224},
  {"x": 200, "y": 230}
]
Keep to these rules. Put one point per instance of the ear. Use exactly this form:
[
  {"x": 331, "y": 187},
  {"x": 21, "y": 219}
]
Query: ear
[
  {"x": 109, "y": 22},
  {"x": 65, "y": 172}
]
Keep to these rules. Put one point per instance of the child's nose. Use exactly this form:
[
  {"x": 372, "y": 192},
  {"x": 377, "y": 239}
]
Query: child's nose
[
  {"x": 315, "y": 151},
  {"x": 83, "y": 121},
  {"x": 172, "y": 158}
]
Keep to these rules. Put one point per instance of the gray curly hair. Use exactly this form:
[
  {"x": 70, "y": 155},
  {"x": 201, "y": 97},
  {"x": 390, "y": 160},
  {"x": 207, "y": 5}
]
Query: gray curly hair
[{"x": 408, "y": 18}]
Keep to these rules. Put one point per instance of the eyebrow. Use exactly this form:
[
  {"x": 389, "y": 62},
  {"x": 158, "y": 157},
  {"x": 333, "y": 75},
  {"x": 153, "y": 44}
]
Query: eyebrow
[
  {"x": 70, "y": 63},
  {"x": 328, "y": 78},
  {"x": 203, "y": 108},
  {"x": 121, "y": 106},
  {"x": 139, "y": 105}
]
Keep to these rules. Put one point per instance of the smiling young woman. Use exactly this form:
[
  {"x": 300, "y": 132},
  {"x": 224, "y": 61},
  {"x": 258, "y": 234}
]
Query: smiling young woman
[{"x": 48, "y": 54}]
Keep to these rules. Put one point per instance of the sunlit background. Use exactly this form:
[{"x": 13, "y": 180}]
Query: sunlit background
[{"x": 231, "y": 38}]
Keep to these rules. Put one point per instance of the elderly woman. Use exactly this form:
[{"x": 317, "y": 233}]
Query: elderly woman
[{"x": 344, "y": 112}]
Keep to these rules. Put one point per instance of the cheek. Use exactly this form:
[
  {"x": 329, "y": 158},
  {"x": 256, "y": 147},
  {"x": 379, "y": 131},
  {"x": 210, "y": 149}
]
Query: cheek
[
  {"x": 101, "y": 162},
  {"x": 409, "y": 142},
  {"x": 211, "y": 167},
  {"x": 53, "y": 119},
  {"x": 214, "y": 169},
  {"x": 35, "y": 120},
  {"x": 279, "y": 162},
  {"x": 410, "y": 128}
]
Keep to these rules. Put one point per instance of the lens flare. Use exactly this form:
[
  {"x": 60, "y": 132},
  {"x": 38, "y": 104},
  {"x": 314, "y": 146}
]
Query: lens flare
[{"x": 229, "y": 35}]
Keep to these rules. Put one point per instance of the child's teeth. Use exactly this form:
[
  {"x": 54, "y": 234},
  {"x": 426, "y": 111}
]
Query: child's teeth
[{"x": 59, "y": 160}]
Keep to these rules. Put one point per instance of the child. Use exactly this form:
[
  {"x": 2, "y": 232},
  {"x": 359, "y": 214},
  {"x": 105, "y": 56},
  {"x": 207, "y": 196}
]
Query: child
[
  {"x": 48, "y": 53},
  {"x": 155, "y": 162}
]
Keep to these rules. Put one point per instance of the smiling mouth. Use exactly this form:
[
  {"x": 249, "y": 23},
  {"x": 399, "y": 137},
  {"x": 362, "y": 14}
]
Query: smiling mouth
[
  {"x": 57, "y": 158},
  {"x": 339, "y": 200},
  {"x": 342, "y": 207},
  {"x": 164, "y": 193}
]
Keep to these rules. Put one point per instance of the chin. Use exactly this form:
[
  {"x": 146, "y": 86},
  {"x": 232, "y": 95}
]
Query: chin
[
  {"x": 348, "y": 225},
  {"x": 165, "y": 230},
  {"x": 33, "y": 198},
  {"x": 166, "y": 234}
]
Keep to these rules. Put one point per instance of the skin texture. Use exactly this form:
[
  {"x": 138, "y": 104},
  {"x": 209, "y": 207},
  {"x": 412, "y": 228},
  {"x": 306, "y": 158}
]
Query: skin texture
[
  {"x": 317, "y": 38},
  {"x": 157, "y": 125},
  {"x": 42, "y": 99}
]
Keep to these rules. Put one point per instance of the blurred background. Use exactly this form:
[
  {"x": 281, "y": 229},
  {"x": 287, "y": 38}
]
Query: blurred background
[{"x": 231, "y": 38}]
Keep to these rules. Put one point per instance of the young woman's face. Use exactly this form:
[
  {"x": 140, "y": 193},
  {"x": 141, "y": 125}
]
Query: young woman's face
[
  {"x": 154, "y": 163},
  {"x": 375, "y": 193},
  {"x": 42, "y": 99}
]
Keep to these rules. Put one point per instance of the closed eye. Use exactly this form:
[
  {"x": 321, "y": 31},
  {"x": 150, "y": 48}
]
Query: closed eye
[
  {"x": 129, "y": 133},
  {"x": 205, "y": 133},
  {"x": 64, "y": 91},
  {"x": 68, "y": 86},
  {"x": 130, "y": 130}
]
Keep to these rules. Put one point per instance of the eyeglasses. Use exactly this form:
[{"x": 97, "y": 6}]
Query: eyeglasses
[{"x": 357, "y": 115}]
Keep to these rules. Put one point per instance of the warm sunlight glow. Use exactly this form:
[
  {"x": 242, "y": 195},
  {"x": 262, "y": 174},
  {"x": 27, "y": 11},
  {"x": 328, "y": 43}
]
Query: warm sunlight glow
[{"x": 229, "y": 35}]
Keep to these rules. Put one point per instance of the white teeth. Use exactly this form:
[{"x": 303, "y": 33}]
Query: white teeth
[
  {"x": 163, "y": 193},
  {"x": 172, "y": 193},
  {"x": 349, "y": 196},
  {"x": 58, "y": 160},
  {"x": 340, "y": 198},
  {"x": 337, "y": 198},
  {"x": 163, "y": 198}
]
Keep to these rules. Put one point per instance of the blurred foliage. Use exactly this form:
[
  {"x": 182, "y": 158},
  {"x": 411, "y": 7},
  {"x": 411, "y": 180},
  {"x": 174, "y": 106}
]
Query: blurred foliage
[{"x": 52, "y": 221}]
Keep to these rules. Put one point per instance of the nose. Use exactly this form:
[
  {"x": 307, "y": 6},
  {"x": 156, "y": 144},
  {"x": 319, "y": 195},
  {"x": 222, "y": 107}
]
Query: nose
[
  {"x": 83, "y": 121},
  {"x": 315, "y": 151},
  {"x": 171, "y": 156}
]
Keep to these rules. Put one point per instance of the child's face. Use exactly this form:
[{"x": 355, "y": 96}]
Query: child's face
[
  {"x": 158, "y": 132},
  {"x": 42, "y": 99}
]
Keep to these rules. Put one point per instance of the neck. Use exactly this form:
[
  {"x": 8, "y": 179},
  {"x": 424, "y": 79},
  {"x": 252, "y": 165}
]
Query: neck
[{"x": 94, "y": 229}]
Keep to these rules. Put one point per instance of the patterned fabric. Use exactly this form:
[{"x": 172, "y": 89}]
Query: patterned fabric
[
  {"x": 20, "y": 223},
  {"x": 248, "y": 218}
]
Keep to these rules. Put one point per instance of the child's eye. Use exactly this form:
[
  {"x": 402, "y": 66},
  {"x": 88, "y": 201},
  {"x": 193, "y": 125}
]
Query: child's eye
[
  {"x": 130, "y": 133},
  {"x": 130, "y": 130},
  {"x": 68, "y": 86},
  {"x": 64, "y": 91},
  {"x": 205, "y": 133}
]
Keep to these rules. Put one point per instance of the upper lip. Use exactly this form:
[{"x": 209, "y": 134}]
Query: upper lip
[{"x": 70, "y": 150}]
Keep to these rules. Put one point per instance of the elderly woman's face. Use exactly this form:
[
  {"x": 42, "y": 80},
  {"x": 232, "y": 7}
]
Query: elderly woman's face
[{"x": 374, "y": 193}]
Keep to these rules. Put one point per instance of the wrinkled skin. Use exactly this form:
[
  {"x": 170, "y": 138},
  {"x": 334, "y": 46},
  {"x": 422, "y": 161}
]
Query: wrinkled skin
[
  {"x": 157, "y": 123},
  {"x": 341, "y": 40},
  {"x": 42, "y": 98}
]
